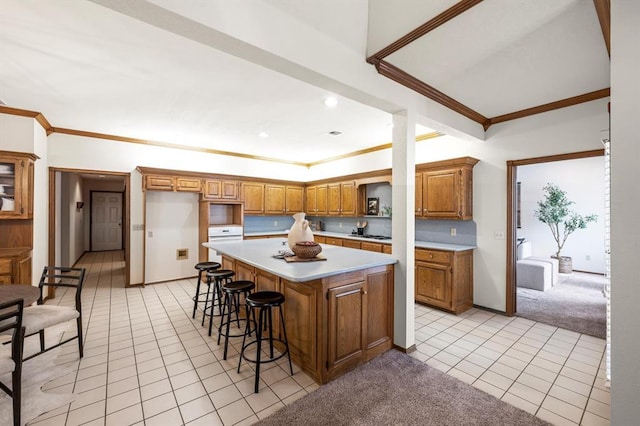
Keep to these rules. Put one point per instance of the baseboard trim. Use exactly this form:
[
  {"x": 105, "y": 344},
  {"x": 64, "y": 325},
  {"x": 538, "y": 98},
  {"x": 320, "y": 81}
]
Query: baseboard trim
[{"x": 408, "y": 350}]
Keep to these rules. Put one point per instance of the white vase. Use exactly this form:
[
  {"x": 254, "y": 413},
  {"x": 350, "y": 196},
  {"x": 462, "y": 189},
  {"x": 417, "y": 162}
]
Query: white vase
[{"x": 300, "y": 230}]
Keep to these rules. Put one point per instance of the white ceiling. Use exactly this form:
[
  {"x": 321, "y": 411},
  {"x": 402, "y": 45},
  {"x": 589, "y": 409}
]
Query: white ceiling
[{"x": 89, "y": 68}]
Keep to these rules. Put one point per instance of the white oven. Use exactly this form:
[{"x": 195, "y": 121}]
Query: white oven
[{"x": 223, "y": 233}]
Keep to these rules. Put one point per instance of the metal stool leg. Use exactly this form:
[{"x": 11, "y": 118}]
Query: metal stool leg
[
  {"x": 286, "y": 341},
  {"x": 197, "y": 296}
]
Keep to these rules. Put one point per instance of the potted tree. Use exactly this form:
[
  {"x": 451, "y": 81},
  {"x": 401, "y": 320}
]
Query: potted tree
[{"x": 554, "y": 211}]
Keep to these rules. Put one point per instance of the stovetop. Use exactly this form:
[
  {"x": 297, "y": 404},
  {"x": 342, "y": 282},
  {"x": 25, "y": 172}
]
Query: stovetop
[{"x": 375, "y": 237}]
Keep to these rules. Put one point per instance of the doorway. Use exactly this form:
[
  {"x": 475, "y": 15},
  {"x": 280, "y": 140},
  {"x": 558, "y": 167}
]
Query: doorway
[
  {"x": 71, "y": 213},
  {"x": 512, "y": 210},
  {"x": 540, "y": 304},
  {"x": 106, "y": 221}
]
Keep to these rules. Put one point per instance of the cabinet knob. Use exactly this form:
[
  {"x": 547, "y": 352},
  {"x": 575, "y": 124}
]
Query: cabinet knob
[{"x": 364, "y": 292}]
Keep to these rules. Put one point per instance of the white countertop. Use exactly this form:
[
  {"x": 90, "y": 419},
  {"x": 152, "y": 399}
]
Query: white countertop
[
  {"x": 259, "y": 253},
  {"x": 419, "y": 244}
]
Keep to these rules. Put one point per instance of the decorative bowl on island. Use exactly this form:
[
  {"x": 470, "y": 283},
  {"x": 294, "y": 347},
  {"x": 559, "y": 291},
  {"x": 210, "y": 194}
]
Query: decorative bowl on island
[{"x": 306, "y": 249}]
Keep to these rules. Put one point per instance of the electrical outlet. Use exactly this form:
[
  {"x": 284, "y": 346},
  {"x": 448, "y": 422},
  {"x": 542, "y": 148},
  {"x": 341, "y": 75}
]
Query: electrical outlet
[
  {"x": 340, "y": 225},
  {"x": 453, "y": 232},
  {"x": 588, "y": 257},
  {"x": 498, "y": 235},
  {"x": 150, "y": 234},
  {"x": 275, "y": 223},
  {"x": 138, "y": 227}
]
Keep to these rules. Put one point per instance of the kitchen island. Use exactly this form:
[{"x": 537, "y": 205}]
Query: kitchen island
[{"x": 338, "y": 312}]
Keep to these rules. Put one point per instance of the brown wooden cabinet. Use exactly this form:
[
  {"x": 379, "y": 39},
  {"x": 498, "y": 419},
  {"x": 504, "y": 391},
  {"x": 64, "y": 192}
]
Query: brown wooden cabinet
[
  {"x": 444, "y": 279},
  {"x": 360, "y": 320},
  {"x": 333, "y": 241},
  {"x": 335, "y": 323},
  {"x": 341, "y": 198},
  {"x": 16, "y": 185},
  {"x": 444, "y": 190},
  {"x": 15, "y": 266},
  {"x": 377, "y": 247},
  {"x": 351, "y": 243},
  {"x": 252, "y": 194},
  {"x": 217, "y": 189},
  {"x": 154, "y": 182},
  {"x": 316, "y": 200},
  {"x": 283, "y": 199}
]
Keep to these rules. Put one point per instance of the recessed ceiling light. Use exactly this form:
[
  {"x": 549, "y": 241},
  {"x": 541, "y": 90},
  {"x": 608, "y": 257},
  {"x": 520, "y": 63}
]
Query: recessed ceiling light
[
  {"x": 335, "y": 133},
  {"x": 331, "y": 102},
  {"x": 263, "y": 134},
  {"x": 101, "y": 176}
]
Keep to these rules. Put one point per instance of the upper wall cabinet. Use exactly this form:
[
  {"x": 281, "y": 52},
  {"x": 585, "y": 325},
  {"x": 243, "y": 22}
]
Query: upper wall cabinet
[
  {"x": 216, "y": 189},
  {"x": 172, "y": 183},
  {"x": 16, "y": 185},
  {"x": 444, "y": 190},
  {"x": 252, "y": 193},
  {"x": 278, "y": 199},
  {"x": 316, "y": 200},
  {"x": 341, "y": 198}
]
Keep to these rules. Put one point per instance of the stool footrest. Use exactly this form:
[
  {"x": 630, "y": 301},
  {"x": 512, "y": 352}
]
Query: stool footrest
[{"x": 267, "y": 359}]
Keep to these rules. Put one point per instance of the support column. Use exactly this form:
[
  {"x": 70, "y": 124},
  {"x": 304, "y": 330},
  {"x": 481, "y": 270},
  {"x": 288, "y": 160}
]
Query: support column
[{"x": 403, "y": 226}]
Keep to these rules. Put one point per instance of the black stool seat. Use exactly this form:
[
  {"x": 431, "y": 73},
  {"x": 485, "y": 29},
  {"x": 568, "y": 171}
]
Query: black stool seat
[
  {"x": 265, "y": 298},
  {"x": 263, "y": 301},
  {"x": 202, "y": 267},
  {"x": 232, "y": 291},
  {"x": 217, "y": 276}
]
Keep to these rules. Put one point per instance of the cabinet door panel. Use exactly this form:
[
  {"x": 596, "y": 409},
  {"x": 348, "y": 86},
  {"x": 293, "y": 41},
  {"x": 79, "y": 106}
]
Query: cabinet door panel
[
  {"x": 333, "y": 199},
  {"x": 294, "y": 197},
  {"x": 188, "y": 184},
  {"x": 321, "y": 199},
  {"x": 347, "y": 313},
  {"x": 377, "y": 247},
  {"x": 159, "y": 183},
  {"x": 379, "y": 292},
  {"x": 348, "y": 198},
  {"x": 243, "y": 272},
  {"x": 441, "y": 195},
  {"x": 300, "y": 313},
  {"x": 274, "y": 199},
  {"x": 351, "y": 243},
  {"x": 253, "y": 197},
  {"x": 311, "y": 205},
  {"x": 433, "y": 284}
]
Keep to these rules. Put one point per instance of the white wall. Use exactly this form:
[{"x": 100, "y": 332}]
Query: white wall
[
  {"x": 583, "y": 181},
  {"x": 83, "y": 153},
  {"x": 40, "y": 253},
  {"x": 71, "y": 220},
  {"x": 171, "y": 224}
]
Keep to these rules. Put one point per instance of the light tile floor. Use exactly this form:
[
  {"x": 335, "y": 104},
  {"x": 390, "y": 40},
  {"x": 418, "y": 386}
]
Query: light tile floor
[{"x": 147, "y": 362}]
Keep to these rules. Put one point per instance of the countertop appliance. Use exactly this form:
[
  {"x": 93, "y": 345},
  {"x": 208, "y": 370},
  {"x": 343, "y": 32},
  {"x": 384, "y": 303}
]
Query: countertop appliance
[{"x": 223, "y": 233}]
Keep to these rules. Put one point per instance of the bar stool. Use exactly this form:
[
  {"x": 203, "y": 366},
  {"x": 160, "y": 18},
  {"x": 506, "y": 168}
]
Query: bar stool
[
  {"x": 202, "y": 267},
  {"x": 264, "y": 301},
  {"x": 215, "y": 278},
  {"x": 232, "y": 292}
]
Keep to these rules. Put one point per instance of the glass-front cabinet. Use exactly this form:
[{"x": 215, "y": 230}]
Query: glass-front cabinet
[{"x": 16, "y": 177}]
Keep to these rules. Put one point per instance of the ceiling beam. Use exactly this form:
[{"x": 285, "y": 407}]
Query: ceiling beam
[
  {"x": 432, "y": 24},
  {"x": 603, "y": 9},
  {"x": 396, "y": 74},
  {"x": 575, "y": 100}
]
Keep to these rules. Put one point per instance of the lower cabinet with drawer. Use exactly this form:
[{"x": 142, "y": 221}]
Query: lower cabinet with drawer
[
  {"x": 15, "y": 266},
  {"x": 444, "y": 279}
]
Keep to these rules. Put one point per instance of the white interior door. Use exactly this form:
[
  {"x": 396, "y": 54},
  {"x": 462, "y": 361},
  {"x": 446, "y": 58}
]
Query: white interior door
[{"x": 106, "y": 221}]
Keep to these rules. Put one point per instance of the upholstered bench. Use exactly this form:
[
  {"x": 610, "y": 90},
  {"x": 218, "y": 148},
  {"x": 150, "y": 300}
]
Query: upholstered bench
[
  {"x": 533, "y": 274},
  {"x": 555, "y": 274}
]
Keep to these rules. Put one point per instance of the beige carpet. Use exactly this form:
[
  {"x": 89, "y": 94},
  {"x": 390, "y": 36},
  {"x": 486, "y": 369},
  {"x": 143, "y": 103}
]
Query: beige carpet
[
  {"x": 576, "y": 303},
  {"x": 396, "y": 389},
  {"x": 35, "y": 373}
]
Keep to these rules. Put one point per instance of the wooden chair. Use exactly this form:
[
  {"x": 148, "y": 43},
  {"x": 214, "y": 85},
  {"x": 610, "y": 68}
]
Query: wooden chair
[
  {"x": 39, "y": 317},
  {"x": 11, "y": 360}
]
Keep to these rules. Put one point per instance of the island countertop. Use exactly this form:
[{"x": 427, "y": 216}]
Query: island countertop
[{"x": 259, "y": 253}]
